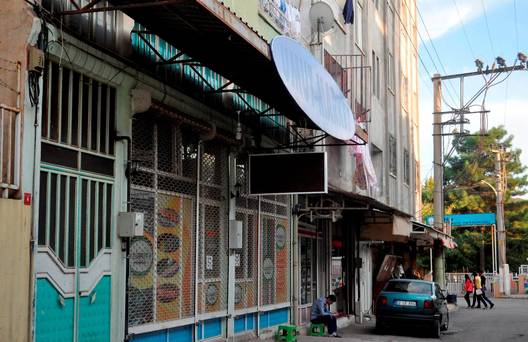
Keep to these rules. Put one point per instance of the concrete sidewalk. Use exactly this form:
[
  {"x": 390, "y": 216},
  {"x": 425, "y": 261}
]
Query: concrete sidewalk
[{"x": 364, "y": 332}]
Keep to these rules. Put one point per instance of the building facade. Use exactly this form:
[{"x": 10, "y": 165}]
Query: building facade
[{"x": 154, "y": 108}]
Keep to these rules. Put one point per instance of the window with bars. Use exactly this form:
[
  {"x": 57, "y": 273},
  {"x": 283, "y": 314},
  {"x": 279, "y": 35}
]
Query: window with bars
[
  {"x": 406, "y": 167},
  {"x": 375, "y": 74},
  {"x": 78, "y": 121},
  {"x": 393, "y": 161}
]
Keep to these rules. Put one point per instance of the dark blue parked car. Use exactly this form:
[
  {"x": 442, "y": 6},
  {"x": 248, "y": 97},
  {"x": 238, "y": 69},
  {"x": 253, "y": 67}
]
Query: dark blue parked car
[{"x": 413, "y": 302}]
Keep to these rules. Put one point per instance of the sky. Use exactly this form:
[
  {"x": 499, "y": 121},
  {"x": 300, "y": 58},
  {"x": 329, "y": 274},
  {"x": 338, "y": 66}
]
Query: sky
[{"x": 459, "y": 31}]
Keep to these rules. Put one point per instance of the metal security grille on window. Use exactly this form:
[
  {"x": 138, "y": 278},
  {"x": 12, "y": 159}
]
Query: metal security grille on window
[
  {"x": 162, "y": 262},
  {"x": 212, "y": 279},
  {"x": 246, "y": 259},
  {"x": 275, "y": 255}
]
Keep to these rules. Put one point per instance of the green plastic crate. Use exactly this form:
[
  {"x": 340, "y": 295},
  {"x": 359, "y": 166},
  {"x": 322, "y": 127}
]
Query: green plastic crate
[
  {"x": 316, "y": 329},
  {"x": 286, "y": 333}
]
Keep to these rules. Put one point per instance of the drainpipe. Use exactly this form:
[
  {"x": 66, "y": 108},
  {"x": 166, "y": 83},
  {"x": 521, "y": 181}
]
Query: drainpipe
[
  {"x": 125, "y": 244},
  {"x": 203, "y": 138},
  {"x": 197, "y": 238},
  {"x": 259, "y": 218},
  {"x": 35, "y": 213},
  {"x": 294, "y": 250}
]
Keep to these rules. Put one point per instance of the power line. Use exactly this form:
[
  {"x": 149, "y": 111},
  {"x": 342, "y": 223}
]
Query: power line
[
  {"x": 432, "y": 44},
  {"x": 515, "y": 23},
  {"x": 487, "y": 27},
  {"x": 414, "y": 46},
  {"x": 427, "y": 49},
  {"x": 468, "y": 42}
]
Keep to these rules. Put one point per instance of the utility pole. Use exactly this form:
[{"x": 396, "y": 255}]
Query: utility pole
[
  {"x": 438, "y": 196},
  {"x": 459, "y": 119},
  {"x": 500, "y": 176}
]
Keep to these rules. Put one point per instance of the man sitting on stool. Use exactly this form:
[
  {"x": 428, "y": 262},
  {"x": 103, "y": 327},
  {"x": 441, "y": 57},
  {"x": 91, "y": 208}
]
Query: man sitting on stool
[{"x": 321, "y": 314}]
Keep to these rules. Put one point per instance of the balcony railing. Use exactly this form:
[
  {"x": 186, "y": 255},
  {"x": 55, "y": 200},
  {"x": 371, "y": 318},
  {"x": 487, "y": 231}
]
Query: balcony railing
[{"x": 9, "y": 151}]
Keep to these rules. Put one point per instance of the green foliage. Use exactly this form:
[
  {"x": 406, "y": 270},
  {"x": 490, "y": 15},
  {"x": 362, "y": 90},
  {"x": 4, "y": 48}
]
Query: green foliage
[{"x": 473, "y": 161}]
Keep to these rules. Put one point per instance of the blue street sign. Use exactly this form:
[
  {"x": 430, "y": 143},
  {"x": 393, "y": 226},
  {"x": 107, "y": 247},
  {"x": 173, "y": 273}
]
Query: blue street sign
[{"x": 466, "y": 220}]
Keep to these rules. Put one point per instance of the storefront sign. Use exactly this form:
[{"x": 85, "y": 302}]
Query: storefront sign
[
  {"x": 268, "y": 268},
  {"x": 280, "y": 236},
  {"x": 167, "y": 293},
  {"x": 211, "y": 295},
  {"x": 466, "y": 220},
  {"x": 209, "y": 262},
  {"x": 313, "y": 88},
  {"x": 238, "y": 293},
  {"x": 141, "y": 256}
]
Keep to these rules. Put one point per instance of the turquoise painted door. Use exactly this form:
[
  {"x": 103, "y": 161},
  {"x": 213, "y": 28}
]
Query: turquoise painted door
[
  {"x": 73, "y": 261},
  {"x": 75, "y": 200}
]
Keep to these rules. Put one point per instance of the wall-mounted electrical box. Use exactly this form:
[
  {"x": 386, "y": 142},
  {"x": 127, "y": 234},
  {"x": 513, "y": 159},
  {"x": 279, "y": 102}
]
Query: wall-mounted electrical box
[
  {"x": 235, "y": 234},
  {"x": 130, "y": 224},
  {"x": 35, "y": 59}
]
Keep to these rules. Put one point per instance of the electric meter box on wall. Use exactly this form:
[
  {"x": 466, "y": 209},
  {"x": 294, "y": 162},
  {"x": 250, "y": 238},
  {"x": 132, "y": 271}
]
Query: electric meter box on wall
[{"x": 130, "y": 224}]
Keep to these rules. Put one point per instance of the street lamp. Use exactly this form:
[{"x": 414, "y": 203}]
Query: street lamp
[
  {"x": 493, "y": 233},
  {"x": 488, "y": 184}
]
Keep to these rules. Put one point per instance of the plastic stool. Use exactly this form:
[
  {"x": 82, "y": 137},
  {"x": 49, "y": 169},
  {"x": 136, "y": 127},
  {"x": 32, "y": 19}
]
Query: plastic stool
[
  {"x": 316, "y": 329},
  {"x": 287, "y": 333}
]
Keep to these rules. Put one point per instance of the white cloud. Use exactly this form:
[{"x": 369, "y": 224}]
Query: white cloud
[
  {"x": 513, "y": 117},
  {"x": 441, "y": 16}
]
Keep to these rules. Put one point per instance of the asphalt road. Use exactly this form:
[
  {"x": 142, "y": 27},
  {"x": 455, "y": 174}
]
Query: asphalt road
[{"x": 507, "y": 321}]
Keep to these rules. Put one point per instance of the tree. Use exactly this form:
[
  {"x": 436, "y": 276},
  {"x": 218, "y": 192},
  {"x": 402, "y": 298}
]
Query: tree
[{"x": 471, "y": 162}]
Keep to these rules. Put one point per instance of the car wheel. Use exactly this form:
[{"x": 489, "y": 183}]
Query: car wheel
[
  {"x": 436, "y": 328},
  {"x": 445, "y": 326}
]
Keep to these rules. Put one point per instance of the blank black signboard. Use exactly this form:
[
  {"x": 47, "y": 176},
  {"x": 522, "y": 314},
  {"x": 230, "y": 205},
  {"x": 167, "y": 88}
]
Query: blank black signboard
[{"x": 288, "y": 173}]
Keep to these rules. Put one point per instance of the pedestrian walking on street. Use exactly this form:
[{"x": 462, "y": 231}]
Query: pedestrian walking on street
[
  {"x": 478, "y": 292},
  {"x": 321, "y": 314},
  {"x": 484, "y": 289},
  {"x": 468, "y": 288}
]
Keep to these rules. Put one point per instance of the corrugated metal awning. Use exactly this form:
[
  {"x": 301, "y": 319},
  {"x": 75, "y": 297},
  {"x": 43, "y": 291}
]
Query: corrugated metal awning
[
  {"x": 426, "y": 234},
  {"x": 210, "y": 33}
]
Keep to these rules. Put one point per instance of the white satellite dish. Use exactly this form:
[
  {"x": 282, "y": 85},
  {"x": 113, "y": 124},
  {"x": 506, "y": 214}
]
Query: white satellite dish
[{"x": 321, "y": 17}]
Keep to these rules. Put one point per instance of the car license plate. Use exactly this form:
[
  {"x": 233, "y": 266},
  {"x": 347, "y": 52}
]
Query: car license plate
[{"x": 405, "y": 303}]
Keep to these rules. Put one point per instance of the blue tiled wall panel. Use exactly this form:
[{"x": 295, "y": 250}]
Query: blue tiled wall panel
[
  {"x": 272, "y": 318},
  {"x": 240, "y": 324},
  {"x": 251, "y": 321},
  {"x": 212, "y": 328},
  {"x": 245, "y": 323},
  {"x": 181, "y": 334},
  {"x": 277, "y": 317}
]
